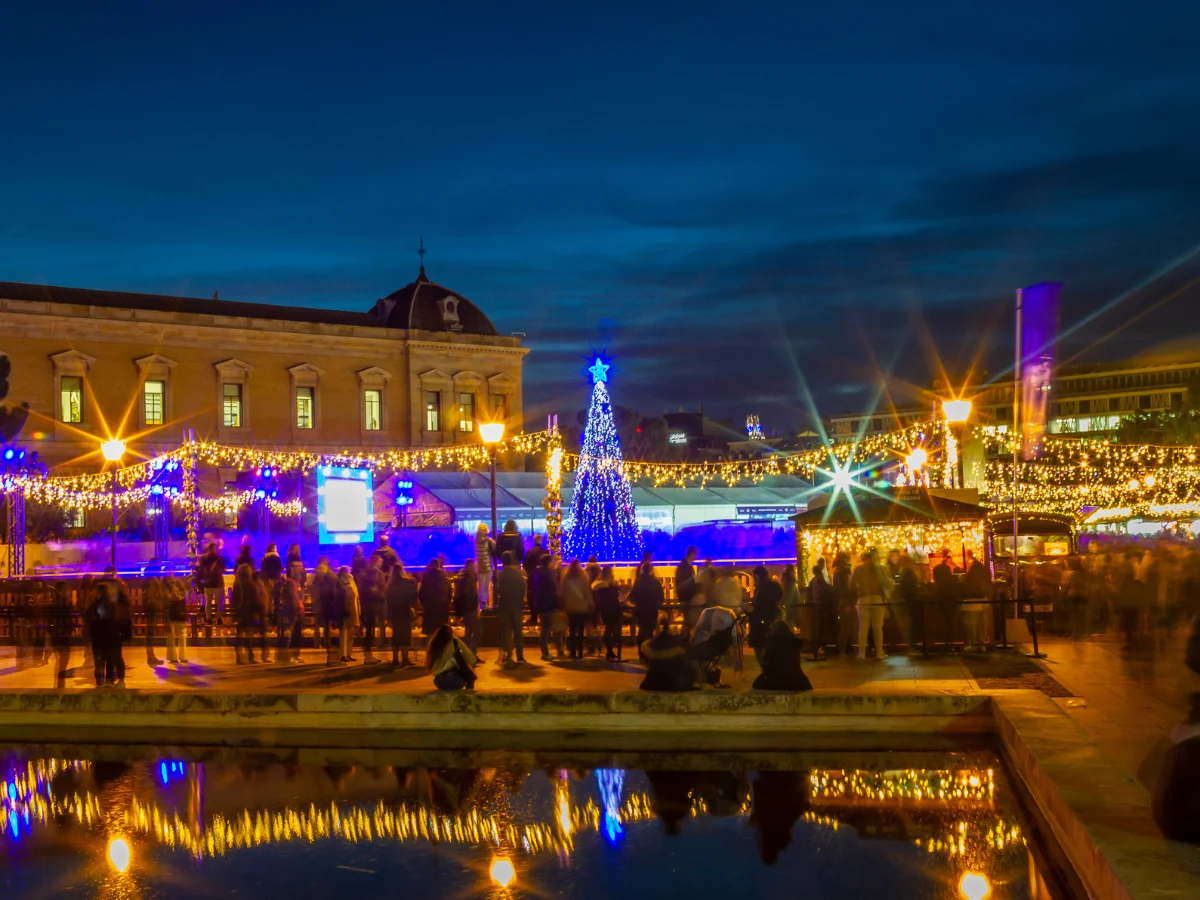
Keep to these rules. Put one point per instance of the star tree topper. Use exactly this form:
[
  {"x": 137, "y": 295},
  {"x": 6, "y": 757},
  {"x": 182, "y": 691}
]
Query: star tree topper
[{"x": 599, "y": 371}]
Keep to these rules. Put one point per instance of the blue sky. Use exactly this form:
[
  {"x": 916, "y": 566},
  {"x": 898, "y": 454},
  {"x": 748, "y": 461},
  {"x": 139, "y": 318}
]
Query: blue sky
[{"x": 732, "y": 200}]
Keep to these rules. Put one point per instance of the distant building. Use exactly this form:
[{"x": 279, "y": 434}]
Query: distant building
[
  {"x": 420, "y": 368},
  {"x": 1086, "y": 399}
]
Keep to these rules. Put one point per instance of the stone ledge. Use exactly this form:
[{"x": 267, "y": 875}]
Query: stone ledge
[{"x": 1099, "y": 815}]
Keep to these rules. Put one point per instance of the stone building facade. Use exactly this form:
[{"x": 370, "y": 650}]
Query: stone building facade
[{"x": 421, "y": 368}]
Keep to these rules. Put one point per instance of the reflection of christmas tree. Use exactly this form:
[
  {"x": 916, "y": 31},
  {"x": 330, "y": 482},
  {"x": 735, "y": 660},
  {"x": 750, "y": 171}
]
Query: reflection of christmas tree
[{"x": 603, "y": 517}]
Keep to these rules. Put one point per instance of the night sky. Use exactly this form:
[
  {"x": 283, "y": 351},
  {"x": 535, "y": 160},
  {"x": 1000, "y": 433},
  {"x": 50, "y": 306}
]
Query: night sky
[{"x": 733, "y": 201}]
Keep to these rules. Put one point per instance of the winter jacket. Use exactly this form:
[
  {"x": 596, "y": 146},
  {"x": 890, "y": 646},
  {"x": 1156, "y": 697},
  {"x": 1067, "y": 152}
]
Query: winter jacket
[
  {"x": 289, "y": 604},
  {"x": 272, "y": 566},
  {"x": 247, "y": 604},
  {"x": 532, "y": 562},
  {"x": 576, "y": 595},
  {"x": 513, "y": 543},
  {"x": 295, "y": 571},
  {"x": 976, "y": 583},
  {"x": 647, "y": 597},
  {"x": 348, "y": 594},
  {"x": 387, "y": 556},
  {"x": 326, "y": 598},
  {"x": 466, "y": 594},
  {"x": 545, "y": 591},
  {"x": 607, "y": 598},
  {"x": 870, "y": 581},
  {"x": 485, "y": 549},
  {"x": 400, "y": 597},
  {"x": 108, "y": 616},
  {"x": 435, "y": 596},
  {"x": 210, "y": 571},
  {"x": 510, "y": 591},
  {"x": 372, "y": 585}
]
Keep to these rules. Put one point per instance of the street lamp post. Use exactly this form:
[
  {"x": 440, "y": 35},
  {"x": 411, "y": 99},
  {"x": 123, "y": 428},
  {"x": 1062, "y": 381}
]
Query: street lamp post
[
  {"x": 113, "y": 450},
  {"x": 957, "y": 412},
  {"x": 492, "y": 434}
]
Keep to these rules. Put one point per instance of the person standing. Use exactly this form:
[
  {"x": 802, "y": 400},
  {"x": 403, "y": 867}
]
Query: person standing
[
  {"x": 245, "y": 555},
  {"x": 823, "y": 606},
  {"x": 869, "y": 583},
  {"x": 466, "y": 603},
  {"x": 847, "y": 610},
  {"x": 647, "y": 598},
  {"x": 767, "y": 608},
  {"x": 401, "y": 599},
  {"x": 351, "y": 612},
  {"x": 977, "y": 590},
  {"x": 154, "y": 607},
  {"x": 510, "y": 607},
  {"x": 509, "y": 541},
  {"x": 485, "y": 550},
  {"x": 946, "y": 593},
  {"x": 908, "y": 587},
  {"x": 177, "y": 620},
  {"x": 793, "y": 604},
  {"x": 289, "y": 619},
  {"x": 109, "y": 626},
  {"x": 545, "y": 596},
  {"x": 533, "y": 561},
  {"x": 435, "y": 596},
  {"x": 328, "y": 614},
  {"x": 271, "y": 567},
  {"x": 245, "y": 602},
  {"x": 607, "y": 598},
  {"x": 686, "y": 589},
  {"x": 371, "y": 596},
  {"x": 577, "y": 602},
  {"x": 210, "y": 580},
  {"x": 388, "y": 558}
]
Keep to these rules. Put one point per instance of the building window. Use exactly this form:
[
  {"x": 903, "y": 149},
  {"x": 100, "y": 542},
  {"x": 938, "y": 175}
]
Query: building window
[
  {"x": 71, "y": 387},
  {"x": 76, "y": 517},
  {"x": 152, "y": 402},
  {"x": 433, "y": 411},
  {"x": 304, "y": 407},
  {"x": 373, "y": 410},
  {"x": 499, "y": 404},
  {"x": 466, "y": 412},
  {"x": 231, "y": 405}
]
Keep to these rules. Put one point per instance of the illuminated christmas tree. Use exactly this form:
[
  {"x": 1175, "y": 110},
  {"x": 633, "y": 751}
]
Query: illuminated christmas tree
[{"x": 603, "y": 517}]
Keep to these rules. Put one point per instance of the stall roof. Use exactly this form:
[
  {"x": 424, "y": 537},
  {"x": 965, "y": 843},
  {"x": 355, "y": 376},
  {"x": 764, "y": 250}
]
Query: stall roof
[{"x": 871, "y": 509}]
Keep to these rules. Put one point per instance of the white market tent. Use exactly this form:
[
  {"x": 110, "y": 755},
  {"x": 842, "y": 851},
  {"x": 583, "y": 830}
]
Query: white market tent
[{"x": 466, "y": 498}]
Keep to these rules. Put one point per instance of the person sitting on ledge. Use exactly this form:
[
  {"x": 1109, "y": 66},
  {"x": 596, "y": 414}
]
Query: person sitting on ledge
[
  {"x": 781, "y": 669},
  {"x": 450, "y": 660},
  {"x": 1177, "y": 797},
  {"x": 670, "y": 668}
]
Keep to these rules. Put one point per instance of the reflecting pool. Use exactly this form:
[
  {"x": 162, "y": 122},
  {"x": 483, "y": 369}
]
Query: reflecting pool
[{"x": 143, "y": 822}]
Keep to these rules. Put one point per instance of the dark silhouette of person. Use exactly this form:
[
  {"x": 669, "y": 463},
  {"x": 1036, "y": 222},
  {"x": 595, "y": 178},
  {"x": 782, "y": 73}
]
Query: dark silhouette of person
[{"x": 780, "y": 799}]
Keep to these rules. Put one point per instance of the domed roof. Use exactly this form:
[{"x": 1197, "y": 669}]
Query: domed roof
[{"x": 427, "y": 306}]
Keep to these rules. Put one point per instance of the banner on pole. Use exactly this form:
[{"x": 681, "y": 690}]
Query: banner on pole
[{"x": 1039, "y": 327}]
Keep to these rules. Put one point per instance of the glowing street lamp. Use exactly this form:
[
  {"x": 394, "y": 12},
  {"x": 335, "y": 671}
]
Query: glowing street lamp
[
  {"x": 113, "y": 450},
  {"x": 492, "y": 434},
  {"x": 957, "y": 412}
]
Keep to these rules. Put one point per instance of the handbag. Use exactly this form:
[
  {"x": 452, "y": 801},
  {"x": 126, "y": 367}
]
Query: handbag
[{"x": 558, "y": 621}]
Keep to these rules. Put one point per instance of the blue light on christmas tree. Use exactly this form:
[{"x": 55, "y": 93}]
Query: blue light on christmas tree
[{"x": 603, "y": 517}]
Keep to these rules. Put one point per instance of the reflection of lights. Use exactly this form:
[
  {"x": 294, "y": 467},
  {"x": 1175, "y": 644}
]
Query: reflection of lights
[
  {"x": 119, "y": 854},
  {"x": 503, "y": 872},
  {"x": 974, "y": 886},
  {"x": 611, "y": 782}
]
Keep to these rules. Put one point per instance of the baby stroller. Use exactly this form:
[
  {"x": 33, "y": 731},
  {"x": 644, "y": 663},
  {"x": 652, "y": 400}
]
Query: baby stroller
[{"x": 715, "y": 634}]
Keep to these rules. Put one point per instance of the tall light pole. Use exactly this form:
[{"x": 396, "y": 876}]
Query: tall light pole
[
  {"x": 957, "y": 412},
  {"x": 492, "y": 434},
  {"x": 113, "y": 450}
]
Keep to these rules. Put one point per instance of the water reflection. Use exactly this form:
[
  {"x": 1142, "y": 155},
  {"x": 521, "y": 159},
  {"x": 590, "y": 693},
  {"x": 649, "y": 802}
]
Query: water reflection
[{"x": 960, "y": 828}]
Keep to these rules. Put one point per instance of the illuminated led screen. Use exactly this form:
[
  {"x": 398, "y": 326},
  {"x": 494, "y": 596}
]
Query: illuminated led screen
[{"x": 345, "y": 512}]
